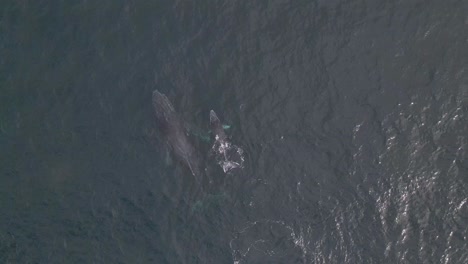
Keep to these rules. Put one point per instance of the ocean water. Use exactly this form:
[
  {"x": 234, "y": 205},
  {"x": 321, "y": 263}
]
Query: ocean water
[{"x": 352, "y": 116}]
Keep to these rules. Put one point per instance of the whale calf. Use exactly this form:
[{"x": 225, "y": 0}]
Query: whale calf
[
  {"x": 228, "y": 155},
  {"x": 217, "y": 128},
  {"x": 174, "y": 131}
]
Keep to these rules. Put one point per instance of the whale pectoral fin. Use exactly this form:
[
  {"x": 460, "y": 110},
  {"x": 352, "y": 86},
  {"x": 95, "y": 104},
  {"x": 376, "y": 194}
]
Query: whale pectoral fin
[
  {"x": 202, "y": 137},
  {"x": 210, "y": 201},
  {"x": 168, "y": 159},
  {"x": 205, "y": 139},
  {"x": 225, "y": 127},
  {"x": 197, "y": 133}
]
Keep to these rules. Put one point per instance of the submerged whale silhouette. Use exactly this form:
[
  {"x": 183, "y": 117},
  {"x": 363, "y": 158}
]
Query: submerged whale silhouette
[{"x": 174, "y": 131}]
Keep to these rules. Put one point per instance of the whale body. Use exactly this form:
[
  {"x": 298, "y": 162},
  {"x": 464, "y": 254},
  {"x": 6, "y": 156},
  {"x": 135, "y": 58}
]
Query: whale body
[
  {"x": 174, "y": 131},
  {"x": 217, "y": 128},
  {"x": 228, "y": 155}
]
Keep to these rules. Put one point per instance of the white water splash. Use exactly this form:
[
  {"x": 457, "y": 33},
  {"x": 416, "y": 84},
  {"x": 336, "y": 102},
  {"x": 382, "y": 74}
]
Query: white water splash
[{"x": 228, "y": 156}]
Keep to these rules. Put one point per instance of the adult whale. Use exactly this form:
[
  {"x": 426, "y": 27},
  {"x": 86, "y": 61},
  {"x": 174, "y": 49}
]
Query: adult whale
[{"x": 174, "y": 131}]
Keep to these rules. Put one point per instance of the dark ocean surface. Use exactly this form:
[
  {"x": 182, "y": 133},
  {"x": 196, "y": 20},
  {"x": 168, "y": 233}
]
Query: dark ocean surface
[{"x": 353, "y": 118}]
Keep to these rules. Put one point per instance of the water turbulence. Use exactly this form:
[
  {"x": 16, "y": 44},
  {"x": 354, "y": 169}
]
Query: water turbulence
[{"x": 228, "y": 155}]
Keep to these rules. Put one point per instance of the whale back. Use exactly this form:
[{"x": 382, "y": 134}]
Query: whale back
[
  {"x": 228, "y": 155},
  {"x": 216, "y": 127},
  {"x": 173, "y": 129}
]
